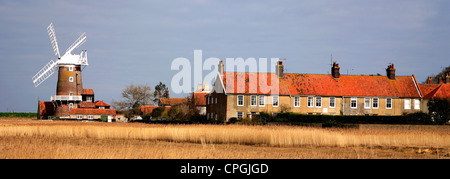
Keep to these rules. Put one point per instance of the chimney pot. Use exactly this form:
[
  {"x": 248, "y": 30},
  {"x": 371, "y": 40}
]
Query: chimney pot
[
  {"x": 335, "y": 70},
  {"x": 280, "y": 69},
  {"x": 447, "y": 78},
  {"x": 221, "y": 67},
  {"x": 390, "y": 72},
  {"x": 429, "y": 80}
]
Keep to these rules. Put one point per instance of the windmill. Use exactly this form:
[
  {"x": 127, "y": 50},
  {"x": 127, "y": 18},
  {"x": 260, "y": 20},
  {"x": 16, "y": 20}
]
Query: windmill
[{"x": 69, "y": 86}]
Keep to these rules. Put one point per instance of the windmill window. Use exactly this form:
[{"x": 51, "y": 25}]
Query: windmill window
[
  {"x": 70, "y": 68},
  {"x": 70, "y": 79}
]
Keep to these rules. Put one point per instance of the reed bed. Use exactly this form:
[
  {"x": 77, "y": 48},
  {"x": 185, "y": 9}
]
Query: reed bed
[{"x": 272, "y": 136}]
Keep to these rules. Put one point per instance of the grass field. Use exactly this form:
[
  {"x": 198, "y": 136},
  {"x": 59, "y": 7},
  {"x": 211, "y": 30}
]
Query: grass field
[{"x": 73, "y": 139}]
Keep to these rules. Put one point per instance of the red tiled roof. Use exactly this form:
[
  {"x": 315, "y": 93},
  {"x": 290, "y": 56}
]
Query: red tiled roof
[
  {"x": 173, "y": 101},
  {"x": 87, "y": 105},
  {"x": 200, "y": 99},
  {"x": 325, "y": 85},
  {"x": 101, "y": 103},
  {"x": 149, "y": 109},
  {"x": 46, "y": 108},
  {"x": 441, "y": 91},
  {"x": 88, "y": 92},
  {"x": 86, "y": 111}
]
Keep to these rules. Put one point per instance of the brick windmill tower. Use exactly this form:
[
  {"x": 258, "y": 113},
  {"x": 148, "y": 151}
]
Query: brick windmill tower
[{"x": 69, "y": 87}]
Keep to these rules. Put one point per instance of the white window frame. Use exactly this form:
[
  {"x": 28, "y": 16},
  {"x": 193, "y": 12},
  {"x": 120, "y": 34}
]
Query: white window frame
[
  {"x": 242, "y": 115},
  {"x": 70, "y": 79},
  {"x": 240, "y": 96},
  {"x": 253, "y": 98},
  {"x": 90, "y": 117},
  {"x": 318, "y": 99},
  {"x": 356, "y": 102},
  {"x": 334, "y": 102},
  {"x": 296, "y": 101},
  {"x": 79, "y": 116},
  {"x": 388, "y": 103},
  {"x": 89, "y": 98},
  {"x": 70, "y": 94},
  {"x": 416, "y": 104},
  {"x": 377, "y": 102},
  {"x": 366, "y": 105},
  {"x": 273, "y": 101},
  {"x": 407, "y": 103},
  {"x": 71, "y": 68},
  {"x": 310, "y": 102},
  {"x": 70, "y": 105},
  {"x": 263, "y": 100}
]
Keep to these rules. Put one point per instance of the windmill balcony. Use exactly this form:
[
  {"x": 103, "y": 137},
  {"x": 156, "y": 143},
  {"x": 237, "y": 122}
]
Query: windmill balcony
[{"x": 65, "y": 98}]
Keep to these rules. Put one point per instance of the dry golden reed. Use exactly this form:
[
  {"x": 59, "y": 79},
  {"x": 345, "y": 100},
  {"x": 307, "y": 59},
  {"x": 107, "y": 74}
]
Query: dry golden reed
[{"x": 276, "y": 136}]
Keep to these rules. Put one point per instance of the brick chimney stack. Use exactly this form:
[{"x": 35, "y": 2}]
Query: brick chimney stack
[
  {"x": 221, "y": 67},
  {"x": 335, "y": 70},
  {"x": 429, "y": 80},
  {"x": 167, "y": 92},
  {"x": 440, "y": 80},
  {"x": 280, "y": 69},
  {"x": 390, "y": 72}
]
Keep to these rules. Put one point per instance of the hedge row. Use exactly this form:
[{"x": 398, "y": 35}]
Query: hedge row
[
  {"x": 14, "y": 114},
  {"x": 416, "y": 118}
]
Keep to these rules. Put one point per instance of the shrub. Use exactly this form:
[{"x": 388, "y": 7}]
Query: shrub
[
  {"x": 439, "y": 110},
  {"x": 157, "y": 112}
]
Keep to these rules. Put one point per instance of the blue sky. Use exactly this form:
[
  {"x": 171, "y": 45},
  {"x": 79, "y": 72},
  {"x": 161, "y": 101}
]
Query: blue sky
[{"x": 134, "y": 42}]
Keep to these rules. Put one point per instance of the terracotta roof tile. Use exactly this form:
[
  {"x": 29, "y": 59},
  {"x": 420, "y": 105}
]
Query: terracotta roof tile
[
  {"x": 324, "y": 85},
  {"x": 101, "y": 103},
  {"x": 46, "y": 108},
  {"x": 87, "y": 111},
  {"x": 173, "y": 101},
  {"x": 87, "y": 105},
  {"x": 149, "y": 109},
  {"x": 441, "y": 91},
  {"x": 200, "y": 99},
  {"x": 88, "y": 92}
]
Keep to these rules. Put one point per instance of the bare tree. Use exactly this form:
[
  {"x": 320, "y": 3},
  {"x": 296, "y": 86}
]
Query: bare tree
[{"x": 134, "y": 96}]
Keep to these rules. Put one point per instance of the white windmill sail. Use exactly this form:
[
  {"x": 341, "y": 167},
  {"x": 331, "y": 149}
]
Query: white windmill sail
[
  {"x": 44, "y": 73},
  {"x": 67, "y": 58},
  {"x": 76, "y": 44},
  {"x": 52, "y": 36}
]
